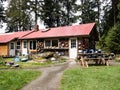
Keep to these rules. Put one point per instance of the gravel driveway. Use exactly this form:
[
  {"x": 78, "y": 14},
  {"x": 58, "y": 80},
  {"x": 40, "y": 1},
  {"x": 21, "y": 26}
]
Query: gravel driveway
[{"x": 50, "y": 78}]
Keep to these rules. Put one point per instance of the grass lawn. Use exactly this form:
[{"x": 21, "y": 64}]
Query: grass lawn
[
  {"x": 16, "y": 79},
  {"x": 92, "y": 78},
  {"x": 33, "y": 64},
  {"x": 30, "y": 64}
]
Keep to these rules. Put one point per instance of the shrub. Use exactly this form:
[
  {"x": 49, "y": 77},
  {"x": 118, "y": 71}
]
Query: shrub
[
  {"x": 2, "y": 62},
  {"x": 113, "y": 39}
]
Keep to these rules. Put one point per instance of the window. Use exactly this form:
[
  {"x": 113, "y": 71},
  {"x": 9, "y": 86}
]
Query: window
[
  {"x": 32, "y": 45},
  {"x": 11, "y": 45},
  {"x": 24, "y": 44},
  {"x": 73, "y": 43},
  {"x": 47, "y": 43},
  {"x": 51, "y": 43},
  {"x": 18, "y": 45},
  {"x": 54, "y": 43}
]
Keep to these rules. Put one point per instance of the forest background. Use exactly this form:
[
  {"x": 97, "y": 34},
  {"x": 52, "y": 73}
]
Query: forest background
[{"x": 21, "y": 15}]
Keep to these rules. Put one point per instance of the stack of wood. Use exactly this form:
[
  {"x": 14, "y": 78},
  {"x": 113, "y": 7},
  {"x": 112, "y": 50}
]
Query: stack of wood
[
  {"x": 40, "y": 46},
  {"x": 63, "y": 44}
]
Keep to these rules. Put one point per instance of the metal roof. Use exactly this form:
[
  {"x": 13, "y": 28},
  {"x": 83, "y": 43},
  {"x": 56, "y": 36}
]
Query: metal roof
[
  {"x": 77, "y": 30},
  {"x": 65, "y": 31},
  {"x": 7, "y": 37}
]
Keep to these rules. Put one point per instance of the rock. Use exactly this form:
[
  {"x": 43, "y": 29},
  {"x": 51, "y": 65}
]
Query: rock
[
  {"x": 53, "y": 59},
  {"x": 15, "y": 65}
]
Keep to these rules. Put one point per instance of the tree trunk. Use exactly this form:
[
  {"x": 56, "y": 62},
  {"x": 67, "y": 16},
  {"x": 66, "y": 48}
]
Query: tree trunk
[
  {"x": 35, "y": 12},
  {"x": 115, "y": 10}
]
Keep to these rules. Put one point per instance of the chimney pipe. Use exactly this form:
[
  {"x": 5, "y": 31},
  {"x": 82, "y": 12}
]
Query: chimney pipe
[{"x": 36, "y": 28}]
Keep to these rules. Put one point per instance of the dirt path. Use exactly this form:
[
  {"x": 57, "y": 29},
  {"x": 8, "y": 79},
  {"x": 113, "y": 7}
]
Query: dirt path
[{"x": 50, "y": 78}]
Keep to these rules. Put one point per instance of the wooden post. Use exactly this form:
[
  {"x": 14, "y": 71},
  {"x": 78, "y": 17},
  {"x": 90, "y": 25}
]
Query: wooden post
[
  {"x": 82, "y": 60},
  {"x": 107, "y": 62},
  {"x": 86, "y": 63}
]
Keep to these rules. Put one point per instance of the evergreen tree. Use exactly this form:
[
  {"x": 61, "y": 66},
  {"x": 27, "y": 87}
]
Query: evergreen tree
[
  {"x": 118, "y": 8},
  {"x": 114, "y": 11},
  {"x": 49, "y": 12},
  {"x": 56, "y": 13},
  {"x": 106, "y": 23},
  {"x": 18, "y": 16},
  {"x": 113, "y": 39},
  {"x": 87, "y": 9},
  {"x": 109, "y": 20},
  {"x": 111, "y": 13},
  {"x": 35, "y": 7},
  {"x": 69, "y": 8},
  {"x": 2, "y": 13}
]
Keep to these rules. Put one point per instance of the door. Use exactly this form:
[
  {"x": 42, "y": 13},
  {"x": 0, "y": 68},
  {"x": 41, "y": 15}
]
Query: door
[
  {"x": 24, "y": 48},
  {"x": 73, "y": 48},
  {"x": 12, "y": 49}
]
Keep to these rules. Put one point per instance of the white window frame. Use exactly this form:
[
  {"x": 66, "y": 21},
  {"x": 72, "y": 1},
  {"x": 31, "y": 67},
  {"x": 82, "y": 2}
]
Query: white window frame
[
  {"x": 45, "y": 43},
  {"x": 72, "y": 43},
  {"x": 57, "y": 43},
  {"x": 31, "y": 47},
  {"x": 51, "y": 45},
  {"x": 12, "y": 45},
  {"x": 24, "y": 44},
  {"x": 18, "y": 45}
]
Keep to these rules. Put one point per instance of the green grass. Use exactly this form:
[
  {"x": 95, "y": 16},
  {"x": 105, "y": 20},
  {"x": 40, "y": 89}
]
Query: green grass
[
  {"x": 16, "y": 79},
  {"x": 31, "y": 64},
  {"x": 117, "y": 60},
  {"x": 92, "y": 78},
  {"x": 8, "y": 59}
]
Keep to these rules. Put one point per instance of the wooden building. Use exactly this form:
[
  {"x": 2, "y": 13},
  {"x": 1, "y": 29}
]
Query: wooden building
[
  {"x": 67, "y": 40},
  {"x": 10, "y": 43}
]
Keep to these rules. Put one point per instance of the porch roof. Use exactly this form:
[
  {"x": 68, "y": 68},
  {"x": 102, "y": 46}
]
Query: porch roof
[
  {"x": 76, "y": 30},
  {"x": 7, "y": 37}
]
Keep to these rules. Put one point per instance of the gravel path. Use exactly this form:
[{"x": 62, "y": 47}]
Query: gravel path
[{"x": 50, "y": 78}]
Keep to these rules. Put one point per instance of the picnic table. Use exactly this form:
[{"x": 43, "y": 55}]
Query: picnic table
[{"x": 99, "y": 58}]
